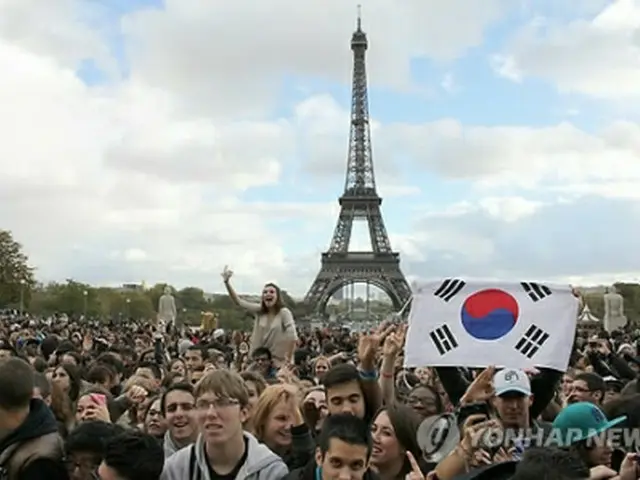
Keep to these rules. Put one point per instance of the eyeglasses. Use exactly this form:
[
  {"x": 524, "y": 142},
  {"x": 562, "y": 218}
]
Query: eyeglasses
[{"x": 218, "y": 403}]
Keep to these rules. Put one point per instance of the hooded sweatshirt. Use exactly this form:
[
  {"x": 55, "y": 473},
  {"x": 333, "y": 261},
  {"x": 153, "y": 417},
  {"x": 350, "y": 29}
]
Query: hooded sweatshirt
[
  {"x": 46, "y": 460},
  {"x": 169, "y": 446},
  {"x": 261, "y": 463}
]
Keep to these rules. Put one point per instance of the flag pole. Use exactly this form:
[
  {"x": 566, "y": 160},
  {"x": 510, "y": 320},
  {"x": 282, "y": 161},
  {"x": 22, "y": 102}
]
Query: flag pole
[{"x": 404, "y": 307}]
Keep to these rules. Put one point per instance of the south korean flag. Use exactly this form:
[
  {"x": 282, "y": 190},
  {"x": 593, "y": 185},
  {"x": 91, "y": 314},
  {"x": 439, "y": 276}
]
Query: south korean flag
[{"x": 473, "y": 324}]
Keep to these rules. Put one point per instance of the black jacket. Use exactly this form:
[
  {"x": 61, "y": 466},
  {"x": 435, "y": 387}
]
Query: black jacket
[
  {"x": 47, "y": 460},
  {"x": 308, "y": 472},
  {"x": 302, "y": 448}
]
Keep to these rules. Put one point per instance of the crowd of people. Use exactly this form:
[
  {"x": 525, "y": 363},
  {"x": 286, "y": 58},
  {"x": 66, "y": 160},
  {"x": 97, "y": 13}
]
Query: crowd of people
[{"x": 86, "y": 400}]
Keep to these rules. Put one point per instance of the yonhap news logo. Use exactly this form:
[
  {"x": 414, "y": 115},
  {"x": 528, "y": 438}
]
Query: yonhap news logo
[{"x": 627, "y": 439}]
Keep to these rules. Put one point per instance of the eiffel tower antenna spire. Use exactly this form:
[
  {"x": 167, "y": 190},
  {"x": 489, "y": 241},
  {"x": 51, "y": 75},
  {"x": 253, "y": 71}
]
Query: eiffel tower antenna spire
[{"x": 380, "y": 266}]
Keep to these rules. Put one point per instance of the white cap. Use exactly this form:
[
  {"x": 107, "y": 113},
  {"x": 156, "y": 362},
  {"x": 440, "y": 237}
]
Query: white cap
[
  {"x": 511, "y": 380},
  {"x": 183, "y": 346},
  {"x": 624, "y": 348},
  {"x": 218, "y": 333}
]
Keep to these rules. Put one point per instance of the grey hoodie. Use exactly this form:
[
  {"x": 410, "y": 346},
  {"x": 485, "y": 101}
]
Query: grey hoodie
[
  {"x": 261, "y": 464},
  {"x": 169, "y": 446}
]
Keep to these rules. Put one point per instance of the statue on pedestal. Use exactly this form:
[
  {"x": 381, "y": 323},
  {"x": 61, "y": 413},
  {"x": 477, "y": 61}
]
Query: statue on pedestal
[
  {"x": 614, "y": 317},
  {"x": 167, "y": 312}
]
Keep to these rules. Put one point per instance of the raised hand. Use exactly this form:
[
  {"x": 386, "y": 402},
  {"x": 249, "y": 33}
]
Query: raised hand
[
  {"x": 137, "y": 394},
  {"x": 393, "y": 344},
  {"x": 629, "y": 467},
  {"x": 369, "y": 344},
  {"x": 481, "y": 389},
  {"x": 226, "y": 273},
  {"x": 416, "y": 473}
]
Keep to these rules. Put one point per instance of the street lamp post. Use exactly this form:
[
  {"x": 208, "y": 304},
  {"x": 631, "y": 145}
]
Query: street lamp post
[
  {"x": 128, "y": 302},
  {"x": 22, "y": 283},
  {"x": 85, "y": 295}
]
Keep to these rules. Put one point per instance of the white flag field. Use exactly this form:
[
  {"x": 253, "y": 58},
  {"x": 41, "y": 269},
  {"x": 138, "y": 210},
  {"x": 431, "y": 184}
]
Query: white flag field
[{"x": 455, "y": 322}]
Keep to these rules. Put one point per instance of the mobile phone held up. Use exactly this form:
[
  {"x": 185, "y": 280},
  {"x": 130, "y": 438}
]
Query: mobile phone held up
[
  {"x": 99, "y": 399},
  {"x": 470, "y": 409}
]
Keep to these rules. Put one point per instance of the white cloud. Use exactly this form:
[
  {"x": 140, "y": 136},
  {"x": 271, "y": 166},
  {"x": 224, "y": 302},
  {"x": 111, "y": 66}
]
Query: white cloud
[
  {"x": 53, "y": 29},
  {"x": 230, "y": 56},
  {"x": 521, "y": 157},
  {"x": 584, "y": 241},
  {"x": 596, "y": 56},
  {"x": 448, "y": 83},
  {"x": 147, "y": 178}
]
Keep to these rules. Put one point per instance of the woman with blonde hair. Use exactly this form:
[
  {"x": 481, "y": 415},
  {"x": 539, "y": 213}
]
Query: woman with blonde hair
[
  {"x": 278, "y": 423},
  {"x": 321, "y": 365}
]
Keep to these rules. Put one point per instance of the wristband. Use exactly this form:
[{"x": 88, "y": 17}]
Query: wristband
[{"x": 368, "y": 375}]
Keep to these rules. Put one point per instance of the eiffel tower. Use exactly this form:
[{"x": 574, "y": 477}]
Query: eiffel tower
[{"x": 380, "y": 266}]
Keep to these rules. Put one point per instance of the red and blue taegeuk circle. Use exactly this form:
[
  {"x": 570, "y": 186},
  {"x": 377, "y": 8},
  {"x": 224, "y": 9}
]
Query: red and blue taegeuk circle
[{"x": 489, "y": 314}]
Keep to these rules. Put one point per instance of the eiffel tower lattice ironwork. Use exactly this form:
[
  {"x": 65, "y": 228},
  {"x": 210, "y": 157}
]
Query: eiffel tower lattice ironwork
[{"x": 360, "y": 201}]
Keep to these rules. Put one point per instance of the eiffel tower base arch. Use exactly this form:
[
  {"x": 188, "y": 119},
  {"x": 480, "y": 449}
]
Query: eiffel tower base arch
[{"x": 340, "y": 270}]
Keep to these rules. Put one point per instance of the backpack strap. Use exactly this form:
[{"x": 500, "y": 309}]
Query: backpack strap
[
  {"x": 194, "y": 469},
  {"x": 192, "y": 462}
]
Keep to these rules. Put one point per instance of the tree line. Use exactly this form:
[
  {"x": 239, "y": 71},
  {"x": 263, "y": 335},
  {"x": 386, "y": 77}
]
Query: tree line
[
  {"x": 78, "y": 299},
  {"x": 20, "y": 290}
]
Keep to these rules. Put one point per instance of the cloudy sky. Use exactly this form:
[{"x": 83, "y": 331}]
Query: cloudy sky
[{"x": 146, "y": 141}]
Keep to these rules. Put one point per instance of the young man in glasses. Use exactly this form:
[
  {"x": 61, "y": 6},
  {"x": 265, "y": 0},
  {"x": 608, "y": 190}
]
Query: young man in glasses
[{"x": 223, "y": 450}]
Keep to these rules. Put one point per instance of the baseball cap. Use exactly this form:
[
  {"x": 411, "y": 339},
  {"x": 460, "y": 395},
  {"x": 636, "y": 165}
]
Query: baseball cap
[
  {"x": 183, "y": 346},
  {"x": 218, "y": 333},
  {"x": 584, "y": 420},
  {"x": 612, "y": 382},
  {"x": 511, "y": 380}
]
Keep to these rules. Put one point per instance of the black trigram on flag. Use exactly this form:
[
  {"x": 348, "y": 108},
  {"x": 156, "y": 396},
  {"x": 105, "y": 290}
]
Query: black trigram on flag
[
  {"x": 531, "y": 341},
  {"x": 443, "y": 339},
  {"x": 449, "y": 289},
  {"x": 536, "y": 291}
]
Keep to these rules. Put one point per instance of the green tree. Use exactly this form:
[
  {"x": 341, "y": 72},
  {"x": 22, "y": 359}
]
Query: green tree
[
  {"x": 192, "y": 298},
  {"x": 16, "y": 275},
  {"x": 131, "y": 304},
  {"x": 71, "y": 297}
]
